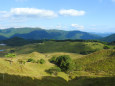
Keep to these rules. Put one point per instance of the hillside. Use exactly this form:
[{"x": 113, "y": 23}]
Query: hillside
[
  {"x": 35, "y": 74},
  {"x": 109, "y": 38},
  {"x": 38, "y": 34},
  {"x": 15, "y": 41},
  {"x": 101, "y": 62},
  {"x": 95, "y": 68},
  {"x": 67, "y": 46},
  {"x": 12, "y": 31}
]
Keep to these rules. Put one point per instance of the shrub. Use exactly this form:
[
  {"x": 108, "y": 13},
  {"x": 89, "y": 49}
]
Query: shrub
[
  {"x": 10, "y": 55},
  {"x": 64, "y": 62},
  {"x": 106, "y": 47},
  {"x": 30, "y": 60},
  {"x": 54, "y": 70},
  {"x": 53, "y": 59},
  {"x": 38, "y": 61},
  {"x": 113, "y": 47},
  {"x": 34, "y": 61},
  {"x": 84, "y": 52},
  {"x": 87, "y": 52},
  {"x": 42, "y": 61},
  {"x": 12, "y": 51}
]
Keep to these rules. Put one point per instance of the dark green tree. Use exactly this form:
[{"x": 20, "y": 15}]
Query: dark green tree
[
  {"x": 53, "y": 59},
  {"x": 42, "y": 61},
  {"x": 64, "y": 62},
  {"x": 106, "y": 47},
  {"x": 11, "y": 56},
  {"x": 30, "y": 60}
]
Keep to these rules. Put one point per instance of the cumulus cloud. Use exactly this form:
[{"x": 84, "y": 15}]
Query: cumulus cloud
[
  {"x": 29, "y": 12},
  {"x": 71, "y": 12},
  {"x": 77, "y": 26},
  {"x": 37, "y": 13}
]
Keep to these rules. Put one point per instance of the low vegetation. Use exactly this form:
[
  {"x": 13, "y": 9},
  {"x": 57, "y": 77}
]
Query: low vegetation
[
  {"x": 61, "y": 63},
  {"x": 101, "y": 62},
  {"x": 53, "y": 70}
]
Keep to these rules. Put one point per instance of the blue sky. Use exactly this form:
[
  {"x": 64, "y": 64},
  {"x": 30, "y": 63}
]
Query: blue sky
[{"x": 84, "y": 15}]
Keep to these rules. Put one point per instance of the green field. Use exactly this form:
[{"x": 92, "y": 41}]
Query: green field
[
  {"x": 94, "y": 69},
  {"x": 68, "y": 47}
]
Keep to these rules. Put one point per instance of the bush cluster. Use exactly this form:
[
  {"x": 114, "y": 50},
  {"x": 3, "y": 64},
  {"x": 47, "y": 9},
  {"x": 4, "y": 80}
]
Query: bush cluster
[
  {"x": 53, "y": 59},
  {"x": 64, "y": 62},
  {"x": 30, "y": 60},
  {"x": 54, "y": 70},
  {"x": 41, "y": 61},
  {"x": 106, "y": 47}
]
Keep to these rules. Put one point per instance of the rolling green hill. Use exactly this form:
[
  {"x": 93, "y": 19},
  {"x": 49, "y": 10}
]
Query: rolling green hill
[
  {"x": 97, "y": 69},
  {"x": 67, "y": 46},
  {"x": 15, "y": 41},
  {"x": 101, "y": 62}
]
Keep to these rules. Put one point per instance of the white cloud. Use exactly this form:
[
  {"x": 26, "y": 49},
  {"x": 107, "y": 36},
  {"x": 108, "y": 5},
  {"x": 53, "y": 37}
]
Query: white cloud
[
  {"x": 80, "y": 27},
  {"x": 71, "y": 12},
  {"x": 37, "y": 13},
  {"x": 30, "y": 13}
]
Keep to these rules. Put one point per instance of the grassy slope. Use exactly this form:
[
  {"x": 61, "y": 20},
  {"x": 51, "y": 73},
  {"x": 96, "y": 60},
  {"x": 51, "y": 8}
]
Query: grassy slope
[
  {"x": 69, "y": 47},
  {"x": 91, "y": 69},
  {"x": 33, "y": 74},
  {"x": 101, "y": 62},
  {"x": 29, "y": 69},
  {"x": 12, "y": 80}
]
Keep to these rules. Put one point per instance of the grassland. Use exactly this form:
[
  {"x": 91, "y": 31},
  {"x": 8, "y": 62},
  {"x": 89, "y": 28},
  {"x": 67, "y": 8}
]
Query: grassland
[
  {"x": 67, "y": 47},
  {"x": 101, "y": 62},
  {"x": 14, "y": 80},
  {"x": 94, "y": 69}
]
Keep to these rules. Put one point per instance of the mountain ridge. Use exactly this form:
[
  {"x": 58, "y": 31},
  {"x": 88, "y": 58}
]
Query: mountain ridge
[
  {"x": 38, "y": 34},
  {"x": 109, "y": 38}
]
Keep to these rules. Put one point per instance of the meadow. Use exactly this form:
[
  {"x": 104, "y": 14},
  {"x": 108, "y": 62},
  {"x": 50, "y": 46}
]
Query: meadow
[{"x": 93, "y": 65}]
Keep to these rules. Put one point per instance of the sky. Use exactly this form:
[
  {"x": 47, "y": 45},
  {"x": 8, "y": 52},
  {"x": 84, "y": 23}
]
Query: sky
[{"x": 84, "y": 15}]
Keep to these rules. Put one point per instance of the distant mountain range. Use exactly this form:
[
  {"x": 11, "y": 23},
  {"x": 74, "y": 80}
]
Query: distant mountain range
[
  {"x": 109, "y": 38},
  {"x": 38, "y": 34},
  {"x": 102, "y": 34}
]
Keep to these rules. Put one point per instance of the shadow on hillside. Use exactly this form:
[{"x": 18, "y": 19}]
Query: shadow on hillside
[
  {"x": 92, "y": 81},
  {"x": 66, "y": 47},
  {"x": 14, "y": 80}
]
